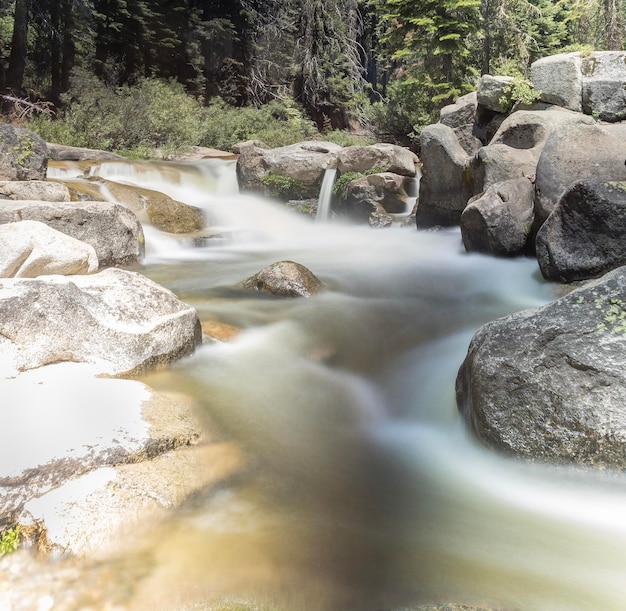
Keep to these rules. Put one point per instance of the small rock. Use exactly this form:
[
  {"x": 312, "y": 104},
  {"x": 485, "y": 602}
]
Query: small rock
[{"x": 285, "y": 279}]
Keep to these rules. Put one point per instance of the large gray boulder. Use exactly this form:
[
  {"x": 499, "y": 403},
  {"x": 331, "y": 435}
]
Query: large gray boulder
[
  {"x": 446, "y": 184},
  {"x": 585, "y": 235},
  {"x": 29, "y": 249},
  {"x": 462, "y": 117},
  {"x": 604, "y": 85},
  {"x": 500, "y": 221},
  {"x": 34, "y": 190},
  {"x": 559, "y": 78},
  {"x": 116, "y": 320},
  {"x": 516, "y": 147},
  {"x": 305, "y": 162},
  {"x": 548, "y": 384},
  {"x": 384, "y": 157},
  {"x": 23, "y": 154},
  {"x": 594, "y": 83},
  {"x": 582, "y": 151},
  {"x": 111, "y": 229}
]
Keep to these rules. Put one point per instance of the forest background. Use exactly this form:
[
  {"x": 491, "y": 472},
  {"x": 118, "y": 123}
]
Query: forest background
[{"x": 135, "y": 75}]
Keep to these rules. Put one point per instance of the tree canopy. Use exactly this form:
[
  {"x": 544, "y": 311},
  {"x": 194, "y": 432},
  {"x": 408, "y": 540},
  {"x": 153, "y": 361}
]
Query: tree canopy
[{"x": 345, "y": 62}]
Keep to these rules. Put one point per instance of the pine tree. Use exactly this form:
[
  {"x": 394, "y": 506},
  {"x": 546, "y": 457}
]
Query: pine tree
[
  {"x": 436, "y": 41},
  {"x": 330, "y": 64}
]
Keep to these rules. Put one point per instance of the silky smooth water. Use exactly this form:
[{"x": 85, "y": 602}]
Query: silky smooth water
[{"x": 364, "y": 489}]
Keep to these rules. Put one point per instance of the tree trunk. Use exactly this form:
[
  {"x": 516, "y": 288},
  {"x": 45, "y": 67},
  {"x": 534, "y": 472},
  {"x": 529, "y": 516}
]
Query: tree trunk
[
  {"x": 612, "y": 24},
  {"x": 17, "y": 59}
]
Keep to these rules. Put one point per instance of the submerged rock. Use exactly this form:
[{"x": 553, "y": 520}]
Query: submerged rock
[
  {"x": 153, "y": 207},
  {"x": 548, "y": 384},
  {"x": 116, "y": 465},
  {"x": 64, "y": 422},
  {"x": 285, "y": 279},
  {"x": 116, "y": 320}
]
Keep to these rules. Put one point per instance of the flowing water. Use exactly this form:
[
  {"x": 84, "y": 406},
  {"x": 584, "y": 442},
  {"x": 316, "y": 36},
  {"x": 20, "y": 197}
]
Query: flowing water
[{"x": 364, "y": 489}]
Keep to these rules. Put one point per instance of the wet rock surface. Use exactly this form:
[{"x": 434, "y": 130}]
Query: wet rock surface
[
  {"x": 548, "y": 384},
  {"x": 285, "y": 279}
]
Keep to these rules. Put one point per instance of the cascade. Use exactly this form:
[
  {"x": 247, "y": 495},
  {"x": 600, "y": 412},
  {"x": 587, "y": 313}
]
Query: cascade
[
  {"x": 326, "y": 193},
  {"x": 365, "y": 490}
]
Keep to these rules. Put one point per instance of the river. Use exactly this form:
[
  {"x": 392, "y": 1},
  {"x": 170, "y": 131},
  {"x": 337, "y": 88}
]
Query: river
[{"x": 364, "y": 491}]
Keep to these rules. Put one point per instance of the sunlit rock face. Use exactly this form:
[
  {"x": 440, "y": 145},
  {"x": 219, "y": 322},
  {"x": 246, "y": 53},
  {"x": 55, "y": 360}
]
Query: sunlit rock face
[
  {"x": 549, "y": 384},
  {"x": 34, "y": 190},
  {"x": 386, "y": 157},
  {"x": 111, "y": 229},
  {"x": 29, "y": 249},
  {"x": 116, "y": 320},
  {"x": 579, "y": 152},
  {"x": 593, "y": 83},
  {"x": 305, "y": 162}
]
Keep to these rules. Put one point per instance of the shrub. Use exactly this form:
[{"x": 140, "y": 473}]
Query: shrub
[
  {"x": 520, "y": 90},
  {"x": 277, "y": 123},
  {"x": 403, "y": 114},
  {"x": 9, "y": 540},
  {"x": 285, "y": 187},
  {"x": 342, "y": 184},
  {"x": 154, "y": 113},
  {"x": 344, "y": 138}
]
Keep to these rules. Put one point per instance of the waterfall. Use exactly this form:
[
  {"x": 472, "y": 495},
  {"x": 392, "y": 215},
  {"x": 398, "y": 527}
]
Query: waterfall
[{"x": 326, "y": 193}]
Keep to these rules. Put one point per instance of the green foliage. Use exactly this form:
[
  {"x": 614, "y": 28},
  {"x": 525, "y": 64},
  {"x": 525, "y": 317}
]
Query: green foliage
[
  {"x": 9, "y": 541},
  {"x": 285, "y": 187},
  {"x": 329, "y": 66},
  {"x": 436, "y": 40},
  {"x": 342, "y": 184},
  {"x": 152, "y": 114},
  {"x": 345, "y": 138},
  {"x": 403, "y": 114},
  {"x": 520, "y": 90},
  {"x": 276, "y": 124}
]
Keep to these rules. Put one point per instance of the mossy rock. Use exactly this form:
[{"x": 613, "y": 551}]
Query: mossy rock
[{"x": 149, "y": 206}]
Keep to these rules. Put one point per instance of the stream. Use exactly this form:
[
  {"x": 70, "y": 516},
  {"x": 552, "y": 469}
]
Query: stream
[{"x": 364, "y": 489}]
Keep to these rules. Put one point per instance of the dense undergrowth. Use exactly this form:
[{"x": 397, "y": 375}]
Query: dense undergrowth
[{"x": 157, "y": 114}]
